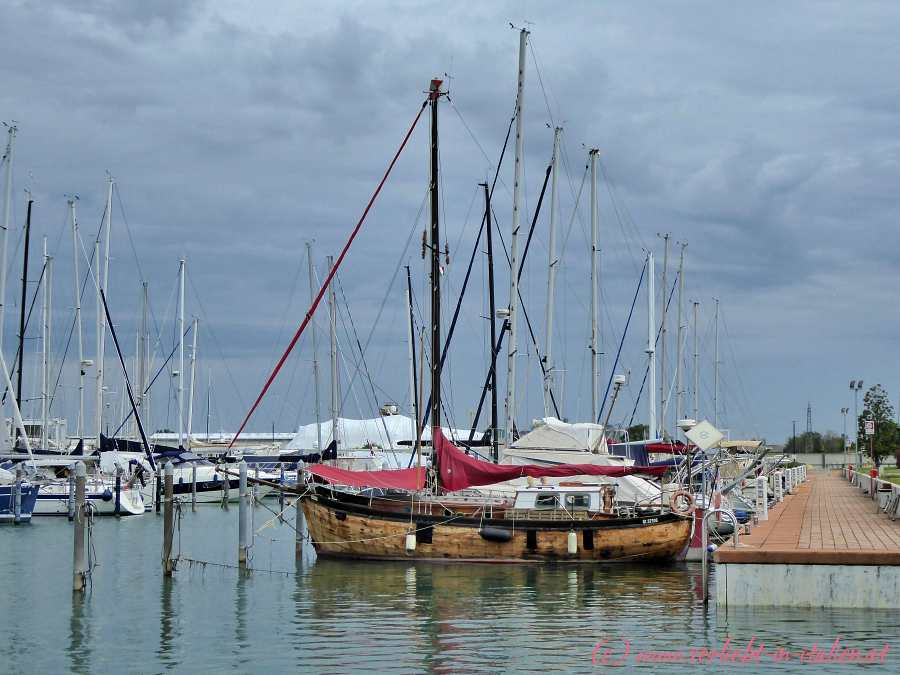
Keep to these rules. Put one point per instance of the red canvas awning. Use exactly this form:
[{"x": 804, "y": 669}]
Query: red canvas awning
[
  {"x": 459, "y": 470},
  {"x": 398, "y": 479}
]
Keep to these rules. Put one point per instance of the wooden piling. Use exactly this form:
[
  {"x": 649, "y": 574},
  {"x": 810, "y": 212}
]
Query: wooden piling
[
  {"x": 243, "y": 516},
  {"x": 193, "y": 487},
  {"x": 71, "y": 503},
  {"x": 168, "y": 520},
  {"x": 157, "y": 499},
  {"x": 79, "y": 566},
  {"x": 17, "y": 496},
  {"x": 118, "y": 507}
]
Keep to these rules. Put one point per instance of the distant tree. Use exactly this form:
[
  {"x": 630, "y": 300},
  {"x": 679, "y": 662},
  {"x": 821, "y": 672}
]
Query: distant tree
[{"x": 877, "y": 406}]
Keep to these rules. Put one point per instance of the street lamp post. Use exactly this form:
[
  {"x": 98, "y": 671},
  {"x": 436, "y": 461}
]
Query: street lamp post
[
  {"x": 855, "y": 387},
  {"x": 844, "y": 412}
]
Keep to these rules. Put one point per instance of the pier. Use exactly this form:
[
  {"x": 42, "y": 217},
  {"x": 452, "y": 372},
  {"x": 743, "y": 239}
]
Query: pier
[{"x": 829, "y": 544}]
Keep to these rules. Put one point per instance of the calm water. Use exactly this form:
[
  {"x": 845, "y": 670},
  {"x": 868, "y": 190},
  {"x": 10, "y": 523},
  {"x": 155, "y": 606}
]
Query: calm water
[{"x": 330, "y": 616}]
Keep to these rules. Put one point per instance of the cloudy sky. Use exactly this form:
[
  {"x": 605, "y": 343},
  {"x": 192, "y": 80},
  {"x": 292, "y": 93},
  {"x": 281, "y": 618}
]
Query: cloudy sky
[{"x": 764, "y": 136}]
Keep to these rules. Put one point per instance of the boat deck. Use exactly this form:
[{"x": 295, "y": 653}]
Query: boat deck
[{"x": 827, "y": 521}]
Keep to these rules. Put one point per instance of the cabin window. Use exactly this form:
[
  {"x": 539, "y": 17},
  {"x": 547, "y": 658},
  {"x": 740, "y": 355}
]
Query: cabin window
[
  {"x": 578, "y": 501},
  {"x": 531, "y": 540},
  {"x": 424, "y": 533},
  {"x": 545, "y": 501}
]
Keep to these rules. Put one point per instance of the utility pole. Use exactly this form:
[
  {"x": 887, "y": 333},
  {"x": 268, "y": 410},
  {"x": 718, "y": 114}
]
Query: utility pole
[
  {"x": 551, "y": 283},
  {"x": 514, "y": 250}
]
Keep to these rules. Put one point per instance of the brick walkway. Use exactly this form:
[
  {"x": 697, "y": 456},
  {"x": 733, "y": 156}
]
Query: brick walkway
[{"x": 827, "y": 522}]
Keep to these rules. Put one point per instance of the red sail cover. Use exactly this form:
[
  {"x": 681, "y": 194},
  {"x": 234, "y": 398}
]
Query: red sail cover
[
  {"x": 459, "y": 470},
  {"x": 398, "y": 479}
]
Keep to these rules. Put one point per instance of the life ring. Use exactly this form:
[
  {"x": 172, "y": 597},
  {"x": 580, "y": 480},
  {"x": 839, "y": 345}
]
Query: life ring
[{"x": 686, "y": 506}]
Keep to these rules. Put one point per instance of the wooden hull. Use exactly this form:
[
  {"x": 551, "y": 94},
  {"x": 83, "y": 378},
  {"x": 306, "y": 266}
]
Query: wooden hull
[{"x": 339, "y": 529}]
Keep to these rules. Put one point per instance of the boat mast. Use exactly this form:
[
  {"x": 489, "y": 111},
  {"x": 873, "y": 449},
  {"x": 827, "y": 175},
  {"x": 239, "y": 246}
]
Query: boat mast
[
  {"x": 679, "y": 352},
  {"x": 514, "y": 251},
  {"x": 102, "y": 281},
  {"x": 696, "y": 367},
  {"x": 181, "y": 353},
  {"x": 190, "y": 418},
  {"x": 651, "y": 344},
  {"x": 716, "y": 372},
  {"x": 410, "y": 338},
  {"x": 663, "y": 313},
  {"x": 434, "y": 96},
  {"x": 142, "y": 362},
  {"x": 315, "y": 348},
  {"x": 335, "y": 381},
  {"x": 595, "y": 394},
  {"x": 24, "y": 299},
  {"x": 551, "y": 281},
  {"x": 495, "y": 441},
  {"x": 76, "y": 249},
  {"x": 7, "y": 204},
  {"x": 45, "y": 349}
]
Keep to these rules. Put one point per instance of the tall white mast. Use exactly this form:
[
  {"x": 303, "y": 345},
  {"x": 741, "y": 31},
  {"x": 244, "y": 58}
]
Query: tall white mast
[
  {"x": 145, "y": 353},
  {"x": 663, "y": 313},
  {"x": 335, "y": 382},
  {"x": 7, "y": 204},
  {"x": 80, "y": 335},
  {"x": 315, "y": 348},
  {"x": 651, "y": 343},
  {"x": 510, "y": 406},
  {"x": 102, "y": 285},
  {"x": 696, "y": 367},
  {"x": 190, "y": 419},
  {"x": 679, "y": 352},
  {"x": 595, "y": 394},
  {"x": 716, "y": 372},
  {"x": 181, "y": 353},
  {"x": 551, "y": 281},
  {"x": 45, "y": 349}
]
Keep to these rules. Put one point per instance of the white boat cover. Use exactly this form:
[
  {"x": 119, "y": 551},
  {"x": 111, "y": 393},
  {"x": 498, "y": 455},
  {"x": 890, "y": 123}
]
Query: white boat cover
[
  {"x": 366, "y": 434},
  {"x": 551, "y": 433}
]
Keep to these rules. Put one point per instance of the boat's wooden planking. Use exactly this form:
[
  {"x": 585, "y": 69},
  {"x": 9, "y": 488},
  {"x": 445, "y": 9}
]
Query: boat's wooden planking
[{"x": 346, "y": 534}]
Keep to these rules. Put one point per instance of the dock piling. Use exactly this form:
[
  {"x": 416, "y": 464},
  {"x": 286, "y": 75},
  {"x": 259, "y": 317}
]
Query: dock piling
[
  {"x": 79, "y": 564},
  {"x": 158, "y": 490},
  {"x": 118, "y": 507},
  {"x": 168, "y": 520},
  {"x": 71, "y": 503},
  {"x": 243, "y": 516},
  {"x": 193, "y": 487},
  {"x": 17, "y": 496}
]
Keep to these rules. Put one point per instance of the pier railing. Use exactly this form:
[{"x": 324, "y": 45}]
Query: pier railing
[{"x": 884, "y": 494}]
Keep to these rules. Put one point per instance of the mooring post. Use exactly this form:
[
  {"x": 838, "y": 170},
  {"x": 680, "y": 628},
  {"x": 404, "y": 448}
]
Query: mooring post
[
  {"x": 243, "y": 515},
  {"x": 17, "y": 496},
  {"x": 118, "y": 489},
  {"x": 168, "y": 520},
  {"x": 158, "y": 497},
  {"x": 299, "y": 521},
  {"x": 71, "y": 504},
  {"x": 79, "y": 566},
  {"x": 225, "y": 487},
  {"x": 193, "y": 487},
  {"x": 281, "y": 496}
]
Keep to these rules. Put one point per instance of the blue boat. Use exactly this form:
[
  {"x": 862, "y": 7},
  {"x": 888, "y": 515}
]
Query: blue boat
[{"x": 17, "y": 502}]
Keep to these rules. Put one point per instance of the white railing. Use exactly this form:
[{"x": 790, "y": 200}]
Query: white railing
[{"x": 885, "y": 494}]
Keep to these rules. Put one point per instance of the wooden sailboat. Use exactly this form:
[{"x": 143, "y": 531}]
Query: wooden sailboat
[{"x": 390, "y": 515}]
